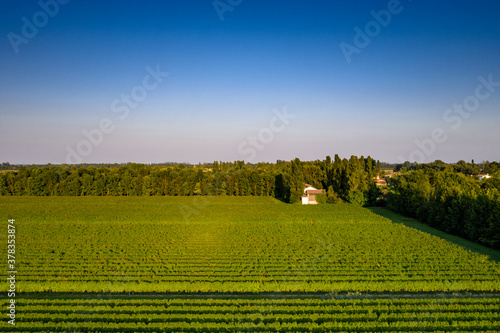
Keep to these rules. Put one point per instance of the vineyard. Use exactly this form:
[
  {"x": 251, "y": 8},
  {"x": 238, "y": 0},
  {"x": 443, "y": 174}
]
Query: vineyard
[
  {"x": 114, "y": 257},
  {"x": 257, "y": 315}
]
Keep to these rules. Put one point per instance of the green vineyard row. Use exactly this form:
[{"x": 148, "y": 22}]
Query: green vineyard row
[{"x": 256, "y": 315}]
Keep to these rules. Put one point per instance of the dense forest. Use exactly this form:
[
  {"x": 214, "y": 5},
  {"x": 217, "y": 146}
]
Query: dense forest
[{"x": 446, "y": 196}]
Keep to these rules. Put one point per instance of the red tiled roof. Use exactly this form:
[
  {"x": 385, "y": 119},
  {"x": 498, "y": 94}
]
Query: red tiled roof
[{"x": 315, "y": 191}]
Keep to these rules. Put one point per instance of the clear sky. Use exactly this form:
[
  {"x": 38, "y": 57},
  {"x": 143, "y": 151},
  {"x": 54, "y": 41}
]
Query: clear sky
[{"x": 199, "y": 81}]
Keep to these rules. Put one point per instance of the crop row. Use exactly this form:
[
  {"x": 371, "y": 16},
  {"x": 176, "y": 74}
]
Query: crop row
[
  {"x": 159, "y": 301},
  {"x": 258, "y": 326},
  {"x": 255, "y": 287},
  {"x": 258, "y": 315}
]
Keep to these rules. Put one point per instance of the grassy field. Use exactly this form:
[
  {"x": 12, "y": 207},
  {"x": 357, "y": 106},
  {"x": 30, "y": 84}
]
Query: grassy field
[{"x": 95, "y": 247}]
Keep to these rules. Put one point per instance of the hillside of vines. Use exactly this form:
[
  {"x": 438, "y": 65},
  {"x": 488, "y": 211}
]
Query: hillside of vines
[
  {"x": 236, "y": 245},
  {"x": 237, "y": 264}
]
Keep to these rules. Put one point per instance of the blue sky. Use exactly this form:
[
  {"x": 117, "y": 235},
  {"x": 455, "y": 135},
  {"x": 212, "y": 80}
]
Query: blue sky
[{"x": 233, "y": 66}]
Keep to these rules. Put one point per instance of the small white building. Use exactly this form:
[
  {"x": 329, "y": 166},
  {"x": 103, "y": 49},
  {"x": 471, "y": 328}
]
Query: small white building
[
  {"x": 309, "y": 197},
  {"x": 481, "y": 177}
]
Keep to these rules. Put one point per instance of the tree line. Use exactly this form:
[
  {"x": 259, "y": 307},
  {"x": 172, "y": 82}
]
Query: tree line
[
  {"x": 347, "y": 180},
  {"x": 445, "y": 196},
  {"x": 448, "y": 198},
  {"x": 461, "y": 166}
]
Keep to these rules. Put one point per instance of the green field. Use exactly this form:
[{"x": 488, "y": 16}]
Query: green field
[
  {"x": 76, "y": 255},
  {"x": 259, "y": 315}
]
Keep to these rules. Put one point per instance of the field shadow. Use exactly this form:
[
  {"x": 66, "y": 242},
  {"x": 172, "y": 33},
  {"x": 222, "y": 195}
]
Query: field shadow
[{"x": 412, "y": 223}]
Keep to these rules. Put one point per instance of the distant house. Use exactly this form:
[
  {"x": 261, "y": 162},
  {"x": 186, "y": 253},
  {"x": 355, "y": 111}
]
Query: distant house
[
  {"x": 380, "y": 182},
  {"x": 481, "y": 177},
  {"x": 309, "y": 197}
]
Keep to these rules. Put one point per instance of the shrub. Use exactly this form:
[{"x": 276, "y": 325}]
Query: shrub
[{"x": 321, "y": 198}]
